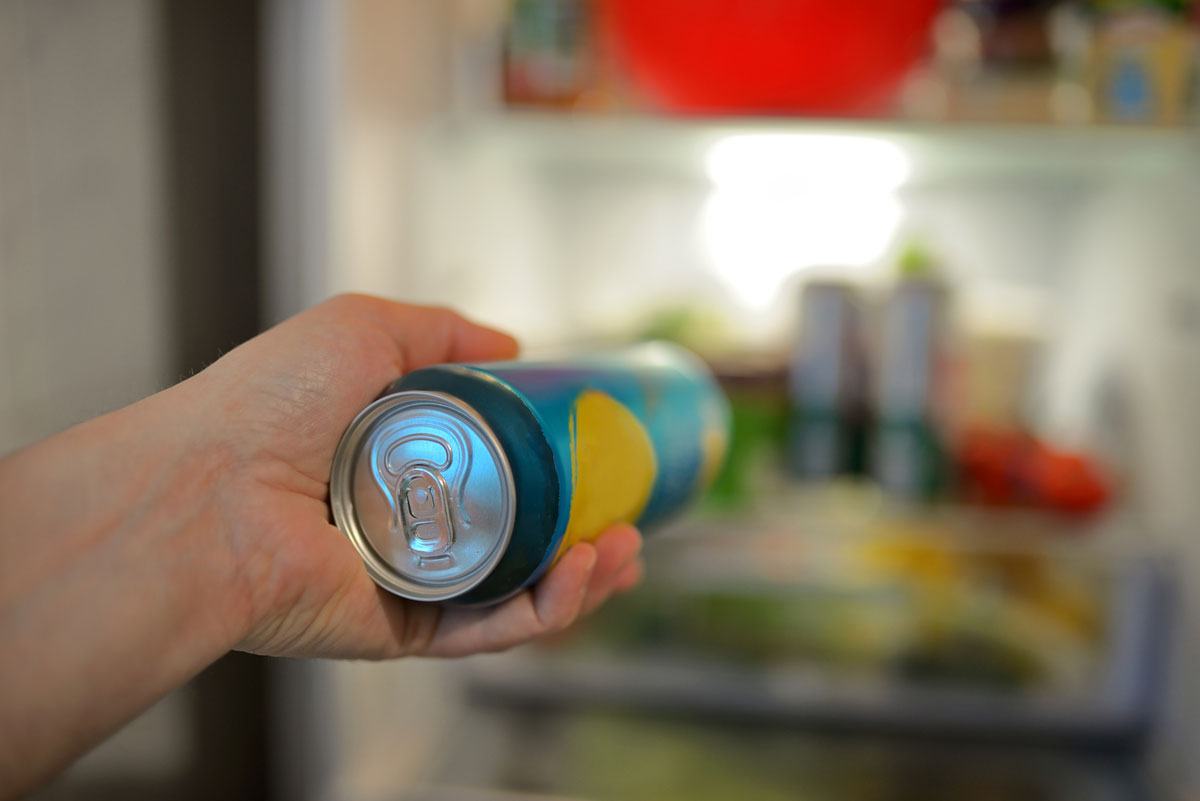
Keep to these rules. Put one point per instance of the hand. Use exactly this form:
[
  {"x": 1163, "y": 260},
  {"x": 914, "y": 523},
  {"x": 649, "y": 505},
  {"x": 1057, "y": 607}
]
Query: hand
[
  {"x": 138, "y": 547},
  {"x": 281, "y": 403}
]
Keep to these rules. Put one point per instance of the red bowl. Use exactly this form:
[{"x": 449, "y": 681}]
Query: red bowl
[{"x": 828, "y": 57}]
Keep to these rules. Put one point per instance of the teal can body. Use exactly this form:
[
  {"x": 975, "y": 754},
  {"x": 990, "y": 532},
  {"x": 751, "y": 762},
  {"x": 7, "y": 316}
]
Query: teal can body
[{"x": 627, "y": 436}]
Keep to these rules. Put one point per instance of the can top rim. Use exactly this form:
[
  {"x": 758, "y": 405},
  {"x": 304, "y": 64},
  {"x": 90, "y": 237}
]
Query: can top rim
[{"x": 342, "y": 488}]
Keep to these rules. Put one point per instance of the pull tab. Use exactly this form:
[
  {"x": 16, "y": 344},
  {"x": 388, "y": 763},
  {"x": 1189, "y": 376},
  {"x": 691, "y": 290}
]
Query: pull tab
[{"x": 424, "y": 506}]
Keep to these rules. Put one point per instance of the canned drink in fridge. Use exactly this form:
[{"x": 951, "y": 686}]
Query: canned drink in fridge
[
  {"x": 909, "y": 459},
  {"x": 467, "y": 481},
  {"x": 827, "y": 385}
]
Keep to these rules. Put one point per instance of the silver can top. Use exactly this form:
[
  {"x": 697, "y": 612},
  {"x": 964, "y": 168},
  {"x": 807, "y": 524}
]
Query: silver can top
[{"x": 423, "y": 489}]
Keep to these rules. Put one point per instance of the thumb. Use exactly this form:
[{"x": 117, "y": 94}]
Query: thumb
[{"x": 427, "y": 335}]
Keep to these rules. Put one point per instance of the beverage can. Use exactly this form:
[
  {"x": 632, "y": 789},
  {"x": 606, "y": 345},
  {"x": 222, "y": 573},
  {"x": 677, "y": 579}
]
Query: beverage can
[
  {"x": 466, "y": 482},
  {"x": 827, "y": 385}
]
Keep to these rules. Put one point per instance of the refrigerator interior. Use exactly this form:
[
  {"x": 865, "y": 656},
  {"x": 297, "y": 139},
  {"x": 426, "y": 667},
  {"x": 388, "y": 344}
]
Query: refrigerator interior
[{"x": 396, "y": 174}]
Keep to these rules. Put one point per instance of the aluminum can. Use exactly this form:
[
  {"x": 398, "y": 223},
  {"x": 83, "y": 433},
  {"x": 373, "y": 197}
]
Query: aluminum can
[
  {"x": 466, "y": 482},
  {"x": 827, "y": 386},
  {"x": 909, "y": 458}
]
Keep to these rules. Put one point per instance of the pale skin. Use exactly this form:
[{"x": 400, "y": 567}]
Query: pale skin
[{"x": 137, "y": 548}]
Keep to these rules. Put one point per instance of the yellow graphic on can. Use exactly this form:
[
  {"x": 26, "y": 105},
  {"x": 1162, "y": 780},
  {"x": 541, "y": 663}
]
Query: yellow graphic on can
[
  {"x": 613, "y": 467},
  {"x": 714, "y": 443}
]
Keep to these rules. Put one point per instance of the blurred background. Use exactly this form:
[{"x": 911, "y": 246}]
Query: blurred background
[{"x": 942, "y": 254}]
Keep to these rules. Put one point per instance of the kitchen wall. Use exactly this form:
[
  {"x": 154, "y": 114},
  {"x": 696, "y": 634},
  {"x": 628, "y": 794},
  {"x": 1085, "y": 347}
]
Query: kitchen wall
[
  {"x": 83, "y": 292},
  {"x": 128, "y": 259}
]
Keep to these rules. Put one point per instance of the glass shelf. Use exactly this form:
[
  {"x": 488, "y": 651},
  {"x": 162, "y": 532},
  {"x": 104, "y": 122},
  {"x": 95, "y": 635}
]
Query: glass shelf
[
  {"x": 675, "y": 145},
  {"x": 669, "y": 673}
]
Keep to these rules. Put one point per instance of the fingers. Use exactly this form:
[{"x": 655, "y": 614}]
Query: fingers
[
  {"x": 617, "y": 550},
  {"x": 558, "y": 597},
  {"x": 586, "y": 576},
  {"x": 629, "y": 577},
  {"x": 550, "y": 606},
  {"x": 426, "y": 335}
]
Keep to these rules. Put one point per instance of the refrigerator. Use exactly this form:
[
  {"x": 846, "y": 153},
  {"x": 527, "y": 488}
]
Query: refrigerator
[{"x": 787, "y": 641}]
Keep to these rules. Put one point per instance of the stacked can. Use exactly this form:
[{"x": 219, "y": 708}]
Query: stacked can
[
  {"x": 468, "y": 481},
  {"x": 909, "y": 459},
  {"x": 827, "y": 386}
]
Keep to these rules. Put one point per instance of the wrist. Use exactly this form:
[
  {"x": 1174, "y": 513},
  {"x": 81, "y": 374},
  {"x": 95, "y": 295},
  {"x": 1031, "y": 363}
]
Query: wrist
[
  {"x": 112, "y": 566},
  {"x": 190, "y": 529}
]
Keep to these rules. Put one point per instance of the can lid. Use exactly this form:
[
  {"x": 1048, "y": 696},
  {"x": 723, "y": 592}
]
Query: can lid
[{"x": 422, "y": 487}]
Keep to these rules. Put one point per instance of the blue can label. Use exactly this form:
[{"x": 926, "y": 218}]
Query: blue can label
[{"x": 635, "y": 435}]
